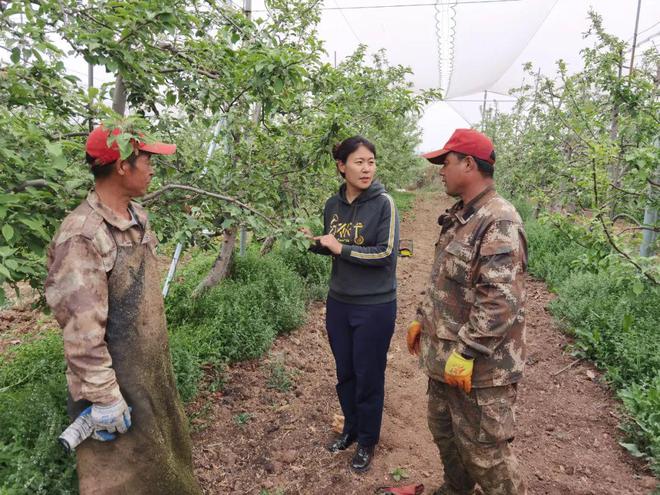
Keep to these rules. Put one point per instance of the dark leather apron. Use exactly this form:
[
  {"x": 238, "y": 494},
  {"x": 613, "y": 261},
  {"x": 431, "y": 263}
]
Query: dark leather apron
[{"x": 154, "y": 456}]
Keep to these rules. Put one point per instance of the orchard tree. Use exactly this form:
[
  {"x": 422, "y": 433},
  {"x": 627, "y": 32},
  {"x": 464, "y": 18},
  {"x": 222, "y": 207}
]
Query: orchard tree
[
  {"x": 586, "y": 147},
  {"x": 251, "y": 106}
]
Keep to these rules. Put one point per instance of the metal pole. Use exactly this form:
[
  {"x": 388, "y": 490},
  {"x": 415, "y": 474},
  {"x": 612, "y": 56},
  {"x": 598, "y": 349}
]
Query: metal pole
[
  {"x": 179, "y": 246},
  {"x": 90, "y": 84},
  {"x": 243, "y": 239},
  {"x": 170, "y": 273},
  {"x": 649, "y": 237},
  {"x": 483, "y": 109},
  {"x": 247, "y": 10},
  {"x": 632, "y": 56}
]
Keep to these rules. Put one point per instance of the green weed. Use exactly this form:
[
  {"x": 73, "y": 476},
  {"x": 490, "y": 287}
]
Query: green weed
[
  {"x": 280, "y": 377},
  {"x": 243, "y": 418},
  {"x": 399, "y": 474}
]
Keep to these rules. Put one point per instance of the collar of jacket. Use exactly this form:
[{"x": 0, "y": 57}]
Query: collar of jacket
[
  {"x": 111, "y": 217},
  {"x": 463, "y": 213},
  {"x": 374, "y": 190}
]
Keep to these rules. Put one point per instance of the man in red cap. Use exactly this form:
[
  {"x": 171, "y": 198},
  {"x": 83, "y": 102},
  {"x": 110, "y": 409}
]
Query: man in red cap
[
  {"x": 470, "y": 328},
  {"x": 103, "y": 286}
]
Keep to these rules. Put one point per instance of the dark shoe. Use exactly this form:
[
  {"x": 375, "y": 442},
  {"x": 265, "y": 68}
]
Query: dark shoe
[
  {"x": 342, "y": 443},
  {"x": 362, "y": 458}
]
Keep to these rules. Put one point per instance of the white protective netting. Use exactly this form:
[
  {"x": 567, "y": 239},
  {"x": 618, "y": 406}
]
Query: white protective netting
[{"x": 482, "y": 43}]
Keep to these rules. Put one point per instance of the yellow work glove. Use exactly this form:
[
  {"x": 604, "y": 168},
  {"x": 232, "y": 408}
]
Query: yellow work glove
[
  {"x": 458, "y": 372},
  {"x": 412, "y": 339}
]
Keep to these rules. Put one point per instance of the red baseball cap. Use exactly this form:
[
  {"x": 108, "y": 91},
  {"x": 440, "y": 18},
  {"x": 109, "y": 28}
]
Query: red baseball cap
[
  {"x": 466, "y": 141},
  {"x": 97, "y": 146}
]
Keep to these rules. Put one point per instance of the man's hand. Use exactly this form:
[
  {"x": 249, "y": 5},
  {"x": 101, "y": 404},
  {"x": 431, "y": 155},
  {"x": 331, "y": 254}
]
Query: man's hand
[
  {"x": 111, "y": 418},
  {"x": 412, "y": 338},
  {"x": 458, "y": 372},
  {"x": 329, "y": 241}
]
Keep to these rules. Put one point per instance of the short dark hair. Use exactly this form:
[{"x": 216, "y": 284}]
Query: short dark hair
[
  {"x": 341, "y": 151},
  {"x": 484, "y": 167},
  {"x": 102, "y": 170}
]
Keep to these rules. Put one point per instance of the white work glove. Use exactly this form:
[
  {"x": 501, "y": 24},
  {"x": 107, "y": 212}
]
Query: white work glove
[{"x": 113, "y": 418}]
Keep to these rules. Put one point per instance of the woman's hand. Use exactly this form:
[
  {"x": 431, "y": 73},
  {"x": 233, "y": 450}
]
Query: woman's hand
[{"x": 329, "y": 241}]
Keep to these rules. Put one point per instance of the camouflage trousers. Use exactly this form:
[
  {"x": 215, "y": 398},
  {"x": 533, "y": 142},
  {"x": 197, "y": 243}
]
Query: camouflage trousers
[{"x": 473, "y": 433}]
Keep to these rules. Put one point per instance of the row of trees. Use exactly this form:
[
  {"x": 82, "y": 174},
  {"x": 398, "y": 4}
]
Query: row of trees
[
  {"x": 203, "y": 73},
  {"x": 587, "y": 147},
  {"x": 581, "y": 156}
]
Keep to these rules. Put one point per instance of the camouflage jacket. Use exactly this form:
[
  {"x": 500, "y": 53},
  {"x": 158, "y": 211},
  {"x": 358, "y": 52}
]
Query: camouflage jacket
[
  {"x": 476, "y": 300},
  {"x": 80, "y": 257}
]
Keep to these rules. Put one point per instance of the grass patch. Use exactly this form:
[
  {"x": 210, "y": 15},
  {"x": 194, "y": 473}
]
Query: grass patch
[
  {"x": 404, "y": 200},
  {"x": 32, "y": 415}
]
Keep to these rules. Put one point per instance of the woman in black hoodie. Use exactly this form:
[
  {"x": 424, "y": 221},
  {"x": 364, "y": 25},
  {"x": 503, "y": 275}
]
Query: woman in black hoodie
[{"x": 361, "y": 232}]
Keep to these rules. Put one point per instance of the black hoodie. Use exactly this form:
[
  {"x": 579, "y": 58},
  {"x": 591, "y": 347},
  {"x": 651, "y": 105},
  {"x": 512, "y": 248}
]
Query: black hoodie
[{"x": 368, "y": 228}]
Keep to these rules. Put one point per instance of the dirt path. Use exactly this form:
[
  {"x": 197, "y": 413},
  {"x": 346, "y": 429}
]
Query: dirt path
[{"x": 261, "y": 436}]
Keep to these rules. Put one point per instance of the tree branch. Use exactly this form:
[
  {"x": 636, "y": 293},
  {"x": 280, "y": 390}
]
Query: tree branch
[
  {"x": 38, "y": 183},
  {"x": 599, "y": 216},
  {"x": 625, "y": 215},
  {"x": 632, "y": 193},
  {"x": 68, "y": 135},
  {"x": 622, "y": 253},
  {"x": 170, "y": 48},
  {"x": 652, "y": 229},
  {"x": 152, "y": 196}
]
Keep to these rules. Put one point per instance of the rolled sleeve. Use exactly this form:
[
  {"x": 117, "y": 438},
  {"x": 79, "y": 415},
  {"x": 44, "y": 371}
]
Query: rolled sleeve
[{"x": 77, "y": 292}]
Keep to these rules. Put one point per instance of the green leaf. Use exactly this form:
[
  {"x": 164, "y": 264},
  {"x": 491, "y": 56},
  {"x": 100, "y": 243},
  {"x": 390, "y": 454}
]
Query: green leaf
[
  {"x": 398, "y": 474},
  {"x": 55, "y": 149},
  {"x": 36, "y": 224},
  {"x": 628, "y": 320},
  {"x": 92, "y": 92},
  {"x": 6, "y": 251},
  {"x": 632, "y": 448},
  {"x": 11, "y": 264},
  {"x": 8, "y": 232},
  {"x": 16, "y": 55},
  {"x": 638, "y": 287},
  {"x": 4, "y": 272}
]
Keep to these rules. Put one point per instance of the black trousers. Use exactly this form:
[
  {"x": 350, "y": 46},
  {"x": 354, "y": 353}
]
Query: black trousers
[{"x": 360, "y": 337}]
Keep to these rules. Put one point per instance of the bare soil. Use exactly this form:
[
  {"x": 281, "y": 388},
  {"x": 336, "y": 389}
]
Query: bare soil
[
  {"x": 22, "y": 321},
  {"x": 260, "y": 436}
]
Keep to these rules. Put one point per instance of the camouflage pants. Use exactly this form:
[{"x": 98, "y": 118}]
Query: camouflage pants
[{"x": 473, "y": 433}]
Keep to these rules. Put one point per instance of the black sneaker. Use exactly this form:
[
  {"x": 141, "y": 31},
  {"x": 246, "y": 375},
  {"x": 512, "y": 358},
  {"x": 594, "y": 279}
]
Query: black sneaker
[
  {"x": 342, "y": 443},
  {"x": 362, "y": 458}
]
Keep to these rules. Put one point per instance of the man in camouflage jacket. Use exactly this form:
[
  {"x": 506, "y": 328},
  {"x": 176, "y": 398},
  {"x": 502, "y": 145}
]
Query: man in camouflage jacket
[
  {"x": 103, "y": 286},
  {"x": 470, "y": 327}
]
